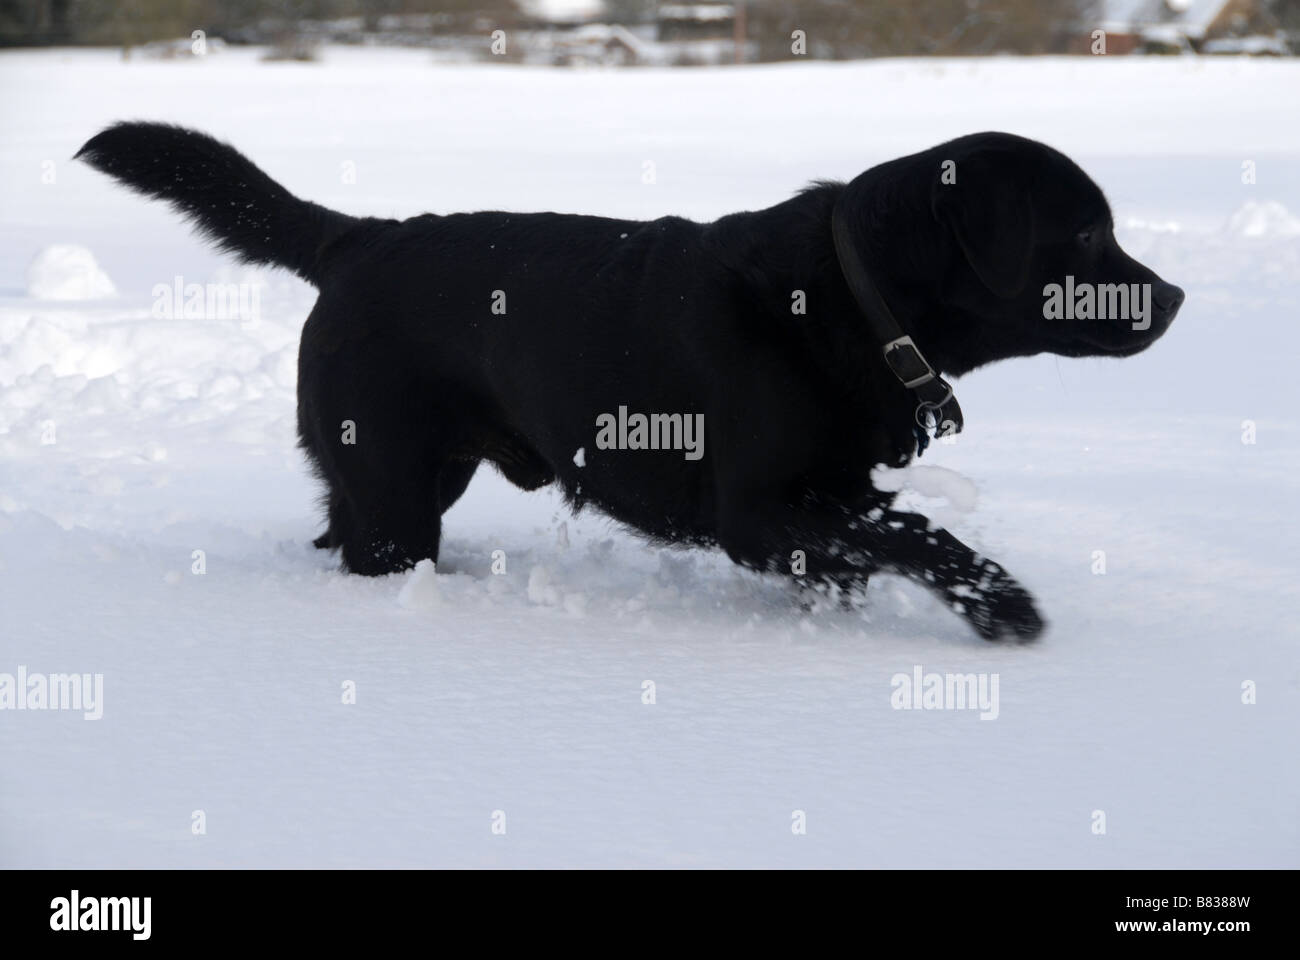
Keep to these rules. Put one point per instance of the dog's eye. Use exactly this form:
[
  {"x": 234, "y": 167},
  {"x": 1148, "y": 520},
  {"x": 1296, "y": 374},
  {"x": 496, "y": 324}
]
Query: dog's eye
[{"x": 1084, "y": 237}]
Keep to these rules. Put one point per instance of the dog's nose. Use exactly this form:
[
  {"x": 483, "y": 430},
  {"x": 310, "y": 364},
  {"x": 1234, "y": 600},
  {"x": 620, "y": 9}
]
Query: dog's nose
[{"x": 1168, "y": 298}]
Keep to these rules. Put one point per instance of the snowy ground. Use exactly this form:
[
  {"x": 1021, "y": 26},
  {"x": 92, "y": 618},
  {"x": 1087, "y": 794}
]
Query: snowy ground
[{"x": 522, "y": 693}]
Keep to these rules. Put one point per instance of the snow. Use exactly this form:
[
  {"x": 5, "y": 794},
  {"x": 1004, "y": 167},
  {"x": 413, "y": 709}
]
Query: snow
[
  {"x": 129, "y": 441},
  {"x": 1259, "y": 45},
  {"x": 65, "y": 271},
  {"x": 563, "y": 11},
  {"x": 420, "y": 591},
  {"x": 1263, "y": 220}
]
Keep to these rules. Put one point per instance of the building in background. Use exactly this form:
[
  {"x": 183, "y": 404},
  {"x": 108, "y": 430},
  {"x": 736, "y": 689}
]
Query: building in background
[
  {"x": 680, "y": 32},
  {"x": 1198, "y": 26}
]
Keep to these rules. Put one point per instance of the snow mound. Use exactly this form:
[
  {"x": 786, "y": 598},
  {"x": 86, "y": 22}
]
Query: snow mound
[
  {"x": 541, "y": 590},
  {"x": 940, "y": 482},
  {"x": 420, "y": 591},
  {"x": 1267, "y": 219},
  {"x": 66, "y": 271}
]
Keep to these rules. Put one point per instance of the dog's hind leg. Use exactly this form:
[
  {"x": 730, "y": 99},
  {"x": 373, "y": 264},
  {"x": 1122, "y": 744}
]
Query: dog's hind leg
[
  {"x": 389, "y": 524},
  {"x": 328, "y": 540},
  {"x": 385, "y": 501},
  {"x": 452, "y": 481}
]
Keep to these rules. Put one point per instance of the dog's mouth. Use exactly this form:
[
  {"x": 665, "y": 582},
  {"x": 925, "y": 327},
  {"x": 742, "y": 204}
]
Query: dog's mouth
[
  {"x": 1122, "y": 339},
  {"x": 1116, "y": 337},
  {"x": 1119, "y": 345},
  {"x": 1129, "y": 342}
]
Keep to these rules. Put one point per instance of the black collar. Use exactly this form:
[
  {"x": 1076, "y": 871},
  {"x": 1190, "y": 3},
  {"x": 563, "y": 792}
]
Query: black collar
[{"x": 937, "y": 409}]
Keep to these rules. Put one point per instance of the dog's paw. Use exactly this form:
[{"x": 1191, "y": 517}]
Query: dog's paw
[{"x": 999, "y": 607}]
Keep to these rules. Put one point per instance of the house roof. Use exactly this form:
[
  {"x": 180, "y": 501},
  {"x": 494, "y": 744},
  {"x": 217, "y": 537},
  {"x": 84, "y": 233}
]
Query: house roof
[
  {"x": 1191, "y": 17},
  {"x": 607, "y": 33}
]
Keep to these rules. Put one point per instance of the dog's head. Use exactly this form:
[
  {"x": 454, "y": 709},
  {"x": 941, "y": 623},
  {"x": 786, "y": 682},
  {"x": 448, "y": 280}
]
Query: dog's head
[{"x": 1016, "y": 255}]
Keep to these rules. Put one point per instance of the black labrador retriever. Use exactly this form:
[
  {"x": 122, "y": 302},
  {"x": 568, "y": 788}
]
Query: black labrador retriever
[{"x": 730, "y": 383}]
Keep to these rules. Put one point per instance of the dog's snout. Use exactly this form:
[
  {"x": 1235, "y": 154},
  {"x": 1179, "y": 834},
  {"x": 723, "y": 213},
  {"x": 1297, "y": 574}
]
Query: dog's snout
[{"x": 1168, "y": 298}]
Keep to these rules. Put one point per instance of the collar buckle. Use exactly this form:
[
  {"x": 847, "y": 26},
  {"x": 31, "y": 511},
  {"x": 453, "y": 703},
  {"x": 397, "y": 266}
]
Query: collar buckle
[{"x": 907, "y": 363}]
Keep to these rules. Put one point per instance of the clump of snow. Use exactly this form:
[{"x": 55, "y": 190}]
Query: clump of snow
[
  {"x": 420, "y": 591},
  {"x": 65, "y": 271},
  {"x": 540, "y": 589},
  {"x": 1266, "y": 219},
  {"x": 928, "y": 481}
]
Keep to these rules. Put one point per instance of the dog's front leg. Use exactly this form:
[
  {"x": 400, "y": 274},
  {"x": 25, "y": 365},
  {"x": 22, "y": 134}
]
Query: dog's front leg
[{"x": 841, "y": 543}]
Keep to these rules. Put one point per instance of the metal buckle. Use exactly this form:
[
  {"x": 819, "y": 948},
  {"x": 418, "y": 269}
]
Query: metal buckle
[{"x": 905, "y": 343}]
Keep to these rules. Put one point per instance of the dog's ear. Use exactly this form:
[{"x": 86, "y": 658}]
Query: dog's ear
[{"x": 983, "y": 200}]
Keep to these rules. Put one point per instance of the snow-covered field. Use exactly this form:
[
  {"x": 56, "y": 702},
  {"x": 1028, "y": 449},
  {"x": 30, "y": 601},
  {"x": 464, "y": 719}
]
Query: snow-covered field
[{"x": 128, "y": 441}]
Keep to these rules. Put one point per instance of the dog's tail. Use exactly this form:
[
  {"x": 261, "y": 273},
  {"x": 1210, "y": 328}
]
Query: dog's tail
[{"x": 221, "y": 191}]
